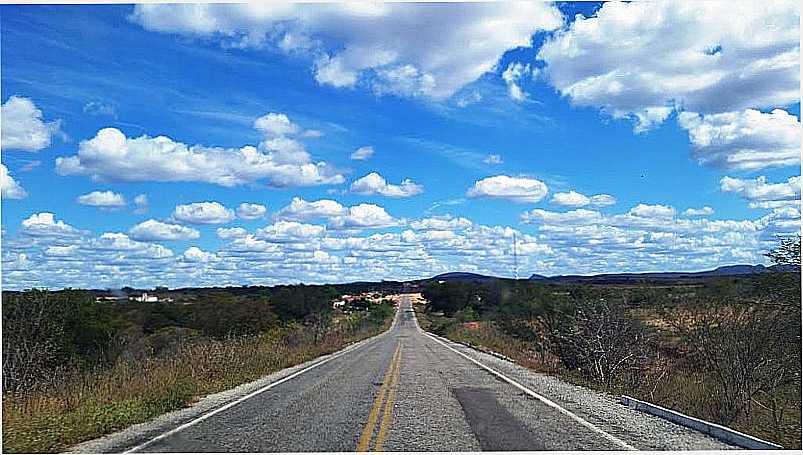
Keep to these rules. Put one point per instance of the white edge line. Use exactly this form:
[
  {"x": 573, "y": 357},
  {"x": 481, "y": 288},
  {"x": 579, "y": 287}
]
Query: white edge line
[
  {"x": 257, "y": 392},
  {"x": 541, "y": 398}
]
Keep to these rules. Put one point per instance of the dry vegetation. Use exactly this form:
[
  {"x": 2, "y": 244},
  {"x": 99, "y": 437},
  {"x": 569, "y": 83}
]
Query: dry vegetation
[
  {"x": 727, "y": 351},
  {"x": 52, "y": 408}
]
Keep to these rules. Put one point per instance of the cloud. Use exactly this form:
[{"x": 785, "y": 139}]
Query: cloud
[
  {"x": 141, "y": 202},
  {"x": 516, "y": 189},
  {"x": 301, "y": 210},
  {"x": 100, "y": 109},
  {"x": 745, "y": 140},
  {"x": 44, "y": 224},
  {"x": 363, "y": 153},
  {"x": 512, "y": 75},
  {"x": 761, "y": 194},
  {"x": 338, "y": 217},
  {"x": 363, "y": 216},
  {"x": 275, "y": 125},
  {"x": 288, "y": 231},
  {"x": 653, "y": 211},
  {"x": 575, "y": 199},
  {"x": 413, "y": 55},
  {"x": 374, "y": 183},
  {"x": 9, "y": 188},
  {"x": 249, "y": 211},
  {"x": 443, "y": 222},
  {"x": 231, "y": 233},
  {"x": 110, "y": 155},
  {"x": 203, "y": 213},
  {"x": 119, "y": 242},
  {"x": 602, "y": 200},
  {"x": 643, "y": 59},
  {"x": 577, "y": 241},
  {"x": 197, "y": 255},
  {"x": 493, "y": 159},
  {"x": 579, "y": 216},
  {"x": 107, "y": 199},
  {"x": 152, "y": 230},
  {"x": 22, "y": 126},
  {"x": 703, "y": 211},
  {"x": 570, "y": 199}
]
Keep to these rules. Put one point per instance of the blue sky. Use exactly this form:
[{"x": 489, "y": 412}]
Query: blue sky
[{"x": 509, "y": 132}]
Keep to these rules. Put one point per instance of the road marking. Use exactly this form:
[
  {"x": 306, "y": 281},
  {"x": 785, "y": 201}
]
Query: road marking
[
  {"x": 368, "y": 431},
  {"x": 387, "y": 417},
  {"x": 540, "y": 398},
  {"x": 261, "y": 390}
]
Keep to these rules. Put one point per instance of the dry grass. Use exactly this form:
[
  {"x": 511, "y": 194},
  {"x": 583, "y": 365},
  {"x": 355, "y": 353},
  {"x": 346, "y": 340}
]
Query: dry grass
[
  {"x": 677, "y": 388},
  {"x": 85, "y": 405}
]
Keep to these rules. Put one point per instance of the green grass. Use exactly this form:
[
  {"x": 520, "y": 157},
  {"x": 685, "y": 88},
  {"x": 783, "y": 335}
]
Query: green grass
[{"x": 86, "y": 405}]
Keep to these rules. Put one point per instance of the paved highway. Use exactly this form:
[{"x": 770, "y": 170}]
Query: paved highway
[{"x": 406, "y": 390}]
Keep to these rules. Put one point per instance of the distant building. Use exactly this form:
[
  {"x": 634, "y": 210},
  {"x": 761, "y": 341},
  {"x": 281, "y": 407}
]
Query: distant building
[{"x": 145, "y": 298}]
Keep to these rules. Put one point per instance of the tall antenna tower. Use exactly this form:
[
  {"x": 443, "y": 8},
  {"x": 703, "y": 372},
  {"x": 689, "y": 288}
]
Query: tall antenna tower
[{"x": 515, "y": 258}]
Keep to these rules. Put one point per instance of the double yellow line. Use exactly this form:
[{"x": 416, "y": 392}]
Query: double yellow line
[{"x": 387, "y": 389}]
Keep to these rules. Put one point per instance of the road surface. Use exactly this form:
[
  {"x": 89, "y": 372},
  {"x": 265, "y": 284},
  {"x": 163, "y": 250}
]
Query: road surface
[{"x": 406, "y": 390}]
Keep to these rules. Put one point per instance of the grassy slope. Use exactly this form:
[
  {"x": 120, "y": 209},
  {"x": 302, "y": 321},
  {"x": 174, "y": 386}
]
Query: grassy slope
[{"x": 93, "y": 404}]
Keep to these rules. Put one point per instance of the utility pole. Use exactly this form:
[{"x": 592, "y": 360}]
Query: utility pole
[{"x": 515, "y": 258}]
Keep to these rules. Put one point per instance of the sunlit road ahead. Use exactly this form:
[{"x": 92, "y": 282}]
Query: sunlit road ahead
[{"x": 409, "y": 391}]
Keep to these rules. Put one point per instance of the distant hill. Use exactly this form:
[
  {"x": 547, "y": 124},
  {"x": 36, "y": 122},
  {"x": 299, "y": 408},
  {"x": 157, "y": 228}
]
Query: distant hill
[
  {"x": 727, "y": 270},
  {"x": 463, "y": 276}
]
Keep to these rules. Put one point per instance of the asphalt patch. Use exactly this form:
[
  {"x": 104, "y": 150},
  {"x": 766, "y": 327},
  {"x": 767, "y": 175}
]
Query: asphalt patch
[{"x": 494, "y": 426}]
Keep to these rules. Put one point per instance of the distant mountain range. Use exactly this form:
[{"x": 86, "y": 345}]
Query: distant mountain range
[{"x": 728, "y": 270}]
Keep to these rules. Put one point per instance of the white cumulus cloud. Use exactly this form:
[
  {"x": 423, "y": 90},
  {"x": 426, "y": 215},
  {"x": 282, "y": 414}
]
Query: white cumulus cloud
[
  {"x": 516, "y": 189},
  {"x": 512, "y": 75},
  {"x": 744, "y": 140},
  {"x": 9, "y": 188},
  {"x": 203, "y": 213},
  {"x": 761, "y": 194},
  {"x": 44, "y": 224},
  {"x": 363, "y": 216},
  {"x": 110, "y": 155},
  {"x": 250, "y": 211},
  {"x": 644, "y": 59},
  {"x": 102, "y": 199},
  {"x": 363, "y": 153},
  {"x": 301, "y": 210},
  {"x": 418, "y": 49},
  {"x": 22, "y": 127},
  {"x": 702, "y": 211},
  {"x": 152, "y": 230},
  {"x": 652, "y": 211},
  {"x": 374, "y": 183}
]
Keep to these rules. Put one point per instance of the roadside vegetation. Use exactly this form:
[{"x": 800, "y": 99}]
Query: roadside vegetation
[
  {"x": 726, "y": 349},
  {"x": 75, "y": 369}
]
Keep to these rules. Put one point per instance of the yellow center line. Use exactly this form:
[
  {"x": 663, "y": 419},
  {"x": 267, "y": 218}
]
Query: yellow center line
[
  {"x": 387, "y": 417},
  {"x": 368, "y": 431}
]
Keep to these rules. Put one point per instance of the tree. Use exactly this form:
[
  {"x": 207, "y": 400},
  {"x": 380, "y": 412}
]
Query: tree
[
  {"x": 788, "y": 252},
  {"x": 748, "y": 350}
]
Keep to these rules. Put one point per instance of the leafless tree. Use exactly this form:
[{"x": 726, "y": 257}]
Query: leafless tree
[
  {"x": 601, "y": 341},
  {"x": 749, "y": 350}
]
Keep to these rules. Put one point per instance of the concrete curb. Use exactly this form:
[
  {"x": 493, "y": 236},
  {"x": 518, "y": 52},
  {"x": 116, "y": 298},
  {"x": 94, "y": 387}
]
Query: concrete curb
[
  {"x": 718, "y": 431},
  {"x": 484, "y": 350}
]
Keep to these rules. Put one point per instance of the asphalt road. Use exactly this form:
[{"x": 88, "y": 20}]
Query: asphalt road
[{"x": 408, "y": 391}]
